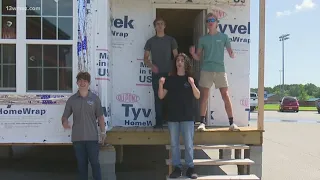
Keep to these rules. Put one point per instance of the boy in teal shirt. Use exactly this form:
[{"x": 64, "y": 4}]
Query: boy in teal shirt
[{"x": 213, "y": 69}]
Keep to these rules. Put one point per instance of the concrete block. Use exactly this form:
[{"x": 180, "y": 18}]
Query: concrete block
[
  {"x": 107, "y": 158},
  {"x": 256, "y": 169},
  {"x": 109, "y": 176},
  {"x": 256, "y": 154},
  {"x": 6, "y": 152},
  {"x": 108, "y": 168},
  {"x": 107, "y": 155},
  {"x": 107, "y": 171}
]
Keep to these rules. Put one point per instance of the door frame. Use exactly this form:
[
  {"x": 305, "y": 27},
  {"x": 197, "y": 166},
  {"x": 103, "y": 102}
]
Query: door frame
[
  {"x": 177, "y": 6},
  {"x": 186, "y": 6}
]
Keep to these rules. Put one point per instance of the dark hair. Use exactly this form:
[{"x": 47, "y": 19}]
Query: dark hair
[
  {"x": 187, "y": 65},
  {"x": 84, "y": 75},
  {"x": 158, "y": 19}
]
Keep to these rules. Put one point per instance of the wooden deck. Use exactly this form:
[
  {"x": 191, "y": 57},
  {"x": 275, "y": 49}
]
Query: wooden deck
[{"x": 213, "y": 135}]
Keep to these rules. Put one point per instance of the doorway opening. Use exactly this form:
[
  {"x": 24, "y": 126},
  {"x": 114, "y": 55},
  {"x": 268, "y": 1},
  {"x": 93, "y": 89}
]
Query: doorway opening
[
  {"x": 186, "y": 26},
  {"x": 182, "y": 25}
]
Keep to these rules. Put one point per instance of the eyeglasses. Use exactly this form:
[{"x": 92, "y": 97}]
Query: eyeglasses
[{"x": 211, "y": 20}]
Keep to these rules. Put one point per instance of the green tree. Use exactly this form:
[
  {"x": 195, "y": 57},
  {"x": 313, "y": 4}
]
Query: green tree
[
  {"x": 297, "y": 90},
  {"x": 269, "y": 89},
  {"x": 303, "y": 96},
  {"x": 311, "y": 89},
  {"x": 277, "y": 88},
  {"x": 317, "y": 93},
  {"x": 277, "y": 92},
  {"x": 294, "y": 90},
  {"x": 254, "y": 90}
]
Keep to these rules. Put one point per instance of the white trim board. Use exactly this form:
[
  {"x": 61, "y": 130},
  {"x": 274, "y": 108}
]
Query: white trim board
[{"x": 21, "y": 50}]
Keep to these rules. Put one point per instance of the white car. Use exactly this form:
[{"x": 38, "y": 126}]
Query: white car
[{"x": 253, "y": 101}]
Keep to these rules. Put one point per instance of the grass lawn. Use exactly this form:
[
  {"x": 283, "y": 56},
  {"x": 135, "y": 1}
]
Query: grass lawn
[{"x": 275, "y": 107}]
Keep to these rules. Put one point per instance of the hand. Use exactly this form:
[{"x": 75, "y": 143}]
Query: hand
[
  {"x": 191, "y": 80},
  {"x": 103, "y": 136},
  {"x": 162, "y": 81},
  {"x": 154, "y": 69},
  {"x": 66, "y": 125},
  {"x": 192, "y": 50},
  {"x": 232, "y": 55}
]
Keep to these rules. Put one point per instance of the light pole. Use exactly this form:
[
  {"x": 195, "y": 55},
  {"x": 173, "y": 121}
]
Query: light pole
[
  {"x": 280, "y": 77},
  {"x": 283, "y": 38}
]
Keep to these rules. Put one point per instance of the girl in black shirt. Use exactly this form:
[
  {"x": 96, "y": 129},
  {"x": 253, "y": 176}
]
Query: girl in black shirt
[{"x": 180, "y": 90}]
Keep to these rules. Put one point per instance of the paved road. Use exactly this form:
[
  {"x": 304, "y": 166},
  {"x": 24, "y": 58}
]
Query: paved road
[
  {"x": 291, "y": 151},
  {"x": 291, "y": 148},
  {"x": 275, "y": 116}
]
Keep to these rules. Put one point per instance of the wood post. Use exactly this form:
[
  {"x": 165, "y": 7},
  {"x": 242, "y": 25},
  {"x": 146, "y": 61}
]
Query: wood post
[{"x": 261, "y": 65}]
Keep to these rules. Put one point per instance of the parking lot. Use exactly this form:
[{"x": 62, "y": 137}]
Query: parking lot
[{"x": 301, "y": 116}]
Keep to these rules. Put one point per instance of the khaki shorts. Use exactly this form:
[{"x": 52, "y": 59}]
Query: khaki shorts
[{"x": 219, "y": 79}]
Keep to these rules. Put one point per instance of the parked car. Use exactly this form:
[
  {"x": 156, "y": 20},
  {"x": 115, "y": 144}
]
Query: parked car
[
  {"x": 253, "y": 101},
  {"x": 289, "y": 103},
  {"x": 318, "y": 105}
]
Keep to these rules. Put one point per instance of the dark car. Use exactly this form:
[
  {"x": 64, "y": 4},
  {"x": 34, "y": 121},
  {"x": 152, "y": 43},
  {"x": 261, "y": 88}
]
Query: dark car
[
  {"x": 318, "y": 105},
  {"x": 289, "y": 104}
]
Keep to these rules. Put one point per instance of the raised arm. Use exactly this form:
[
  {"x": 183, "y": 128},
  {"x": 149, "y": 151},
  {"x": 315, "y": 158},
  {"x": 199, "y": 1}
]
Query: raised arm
[
  {"x": 195, "y": 89},
  {"x": 162, "y": 91},
  {"x": 196, "y": 55}
]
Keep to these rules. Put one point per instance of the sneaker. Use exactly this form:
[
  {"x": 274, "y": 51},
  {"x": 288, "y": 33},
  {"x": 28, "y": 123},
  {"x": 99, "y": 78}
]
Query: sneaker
[
  {"x": 176, "y": 173},
  {"x": 202, "y": 127},
  {"x": 191, "y": 174},
  {"x": 234, "y": 127}
]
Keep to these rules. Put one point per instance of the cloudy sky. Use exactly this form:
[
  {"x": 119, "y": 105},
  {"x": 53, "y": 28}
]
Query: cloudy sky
[{"x": 300, "y": 19}]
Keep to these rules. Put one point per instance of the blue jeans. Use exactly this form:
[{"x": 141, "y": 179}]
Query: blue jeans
[
  {"x": 186, "y": 128},
  {"x": 158, "y": 103},
  {"x": 87, "y": 150}
]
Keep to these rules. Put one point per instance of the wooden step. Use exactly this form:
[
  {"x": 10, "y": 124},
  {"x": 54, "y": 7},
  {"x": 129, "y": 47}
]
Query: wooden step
[
  {"x": 218, "y": 162},
  {"x": 234, "y": 146},
  {"x": 221, "y": 177}
]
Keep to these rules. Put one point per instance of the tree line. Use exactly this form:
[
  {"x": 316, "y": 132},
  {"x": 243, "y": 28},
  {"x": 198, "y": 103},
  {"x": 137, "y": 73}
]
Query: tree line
[{"x": 301, "y": 91}]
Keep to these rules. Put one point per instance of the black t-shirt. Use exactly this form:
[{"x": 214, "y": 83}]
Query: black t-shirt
[{"x": 180, "y": 98}]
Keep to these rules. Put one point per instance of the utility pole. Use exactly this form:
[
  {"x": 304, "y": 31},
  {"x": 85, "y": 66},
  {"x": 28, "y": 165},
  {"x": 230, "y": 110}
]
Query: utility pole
[{"x": 283, "y": 38}]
